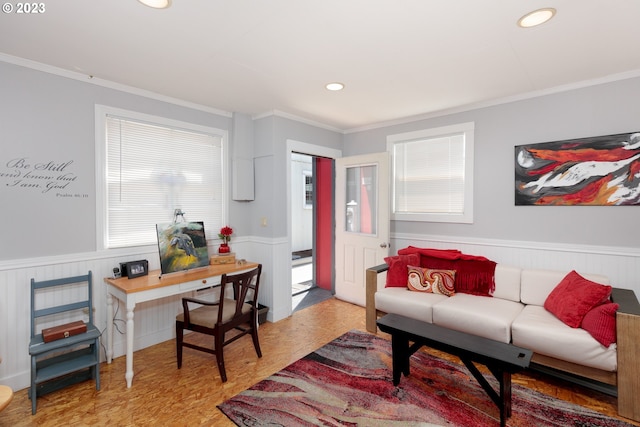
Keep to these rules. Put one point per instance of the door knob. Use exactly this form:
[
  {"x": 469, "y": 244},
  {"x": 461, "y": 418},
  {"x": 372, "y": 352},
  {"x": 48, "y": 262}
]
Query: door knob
[{"x": 383, "y": 245}]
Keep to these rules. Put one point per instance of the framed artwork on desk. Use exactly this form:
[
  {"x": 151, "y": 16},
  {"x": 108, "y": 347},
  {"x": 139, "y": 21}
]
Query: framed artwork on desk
[{"x": 182, "y": 246}]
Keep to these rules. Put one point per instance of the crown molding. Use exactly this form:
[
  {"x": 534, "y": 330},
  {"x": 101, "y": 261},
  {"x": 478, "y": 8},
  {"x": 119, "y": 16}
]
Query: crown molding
[
  {"x": 74, "y": 75},
  {"x": 499, "y": 101},
  {"x": 278, "y": 113}
]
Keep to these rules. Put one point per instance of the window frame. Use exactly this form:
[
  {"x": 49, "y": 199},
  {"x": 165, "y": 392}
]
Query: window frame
[
  {"x": 466, "y": 129},
  {"x": 101, "y": 113},
  {"x": 305, "y": 174}
]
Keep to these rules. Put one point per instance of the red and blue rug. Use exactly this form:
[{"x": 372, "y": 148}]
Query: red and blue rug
[{"x": 348, "y": 382}]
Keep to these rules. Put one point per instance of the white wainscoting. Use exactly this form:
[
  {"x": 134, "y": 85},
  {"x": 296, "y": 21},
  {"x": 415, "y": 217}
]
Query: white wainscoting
[
  {"x": 275, "y": 283},
  {"x": 15, "y": 279},
  {"x": 155, "y": 320}
]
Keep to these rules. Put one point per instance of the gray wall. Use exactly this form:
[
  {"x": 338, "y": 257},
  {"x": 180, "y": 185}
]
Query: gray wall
[
  {"x": 594, "y": 111},
  {"x": 272, "y": 134},
  {"x": 49, "y": 119}
]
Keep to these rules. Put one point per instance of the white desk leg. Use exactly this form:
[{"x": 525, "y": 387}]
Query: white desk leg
[
  {"x": 129, "y": 373},
  {"x": 109, "y": 327}
]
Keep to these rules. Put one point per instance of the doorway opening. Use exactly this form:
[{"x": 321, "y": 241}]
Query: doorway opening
[
  {"x": 301, "y": 271},
  {"x": 311, "y": 229}
]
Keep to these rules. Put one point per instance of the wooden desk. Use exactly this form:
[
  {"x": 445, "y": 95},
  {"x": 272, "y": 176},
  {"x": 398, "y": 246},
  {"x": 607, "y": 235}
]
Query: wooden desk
[{"x": 154, "y": 286}]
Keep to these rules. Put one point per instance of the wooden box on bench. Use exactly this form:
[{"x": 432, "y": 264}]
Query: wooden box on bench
[{"x": 63, "y": 331}]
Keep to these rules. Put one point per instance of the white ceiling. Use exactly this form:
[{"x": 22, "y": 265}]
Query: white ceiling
[{"x": 397, "y": 58}]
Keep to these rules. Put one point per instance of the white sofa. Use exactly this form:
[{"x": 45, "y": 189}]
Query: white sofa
[{"x": 515, "y": 314}]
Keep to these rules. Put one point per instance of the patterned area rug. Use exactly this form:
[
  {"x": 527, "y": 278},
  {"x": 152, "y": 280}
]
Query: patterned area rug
[{"x": 349, "y": 382}]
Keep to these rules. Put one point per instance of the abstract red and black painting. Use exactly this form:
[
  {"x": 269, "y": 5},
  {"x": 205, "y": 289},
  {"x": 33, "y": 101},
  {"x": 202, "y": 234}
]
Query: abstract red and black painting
[{"x": 595, "y": 171}]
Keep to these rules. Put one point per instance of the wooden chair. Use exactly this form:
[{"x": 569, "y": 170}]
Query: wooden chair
[
  {"x": 65, "y": 361},
  {"x": 217, "y": 318}
]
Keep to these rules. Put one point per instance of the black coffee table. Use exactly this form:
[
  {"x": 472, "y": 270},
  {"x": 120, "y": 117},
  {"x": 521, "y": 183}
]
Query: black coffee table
[{"x": 502, "y": 359}]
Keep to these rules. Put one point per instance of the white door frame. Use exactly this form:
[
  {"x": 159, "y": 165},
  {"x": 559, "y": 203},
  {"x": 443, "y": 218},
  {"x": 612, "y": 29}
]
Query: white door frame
[{"x": 312, "y": 150}]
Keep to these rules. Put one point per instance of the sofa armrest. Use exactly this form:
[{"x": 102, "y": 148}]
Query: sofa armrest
[
  {"x": 628, "y": 342},
  {"x": 371, "y": 289}
]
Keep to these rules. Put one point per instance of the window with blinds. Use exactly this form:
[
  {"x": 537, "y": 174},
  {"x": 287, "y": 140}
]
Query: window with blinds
[
  {"x": 153, "y": 169},
  {"x": 433, "y": 174}
]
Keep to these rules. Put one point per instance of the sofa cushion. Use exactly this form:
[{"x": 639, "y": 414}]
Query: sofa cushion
[
  {"x": 474, "y": 274},
  {"x": 600, "y": 322},
  {"x": 483, "y": 316},
  {"x": 415, "y": 305},
  {"x": 431, "y": 280},
  {"x": 574, "y": 297},
  {"x": 397, "y": 273},
  {"x": 536, "y": 285},
  {"x": 507, "y": 280},
  {"x": 543, "y": 333}
]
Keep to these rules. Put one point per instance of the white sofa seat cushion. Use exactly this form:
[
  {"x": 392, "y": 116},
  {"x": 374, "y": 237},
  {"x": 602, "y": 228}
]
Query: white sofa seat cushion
[
  {"x": 482, "y": 316},
  {"x": 543, "y": 333},
  {"x": 415, "y": 305}
]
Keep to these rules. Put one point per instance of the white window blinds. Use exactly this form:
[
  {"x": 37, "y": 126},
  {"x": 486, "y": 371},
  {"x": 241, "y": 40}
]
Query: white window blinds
[
  {"x": 152, "y": 170},
  {"x": 432, "y": 174}
]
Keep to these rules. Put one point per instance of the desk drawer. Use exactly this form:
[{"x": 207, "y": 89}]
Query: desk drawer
[{"x": 199, "y": 284}]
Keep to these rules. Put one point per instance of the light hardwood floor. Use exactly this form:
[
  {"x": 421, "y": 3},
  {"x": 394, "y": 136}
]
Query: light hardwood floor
[{"x": 162, "y": 395}]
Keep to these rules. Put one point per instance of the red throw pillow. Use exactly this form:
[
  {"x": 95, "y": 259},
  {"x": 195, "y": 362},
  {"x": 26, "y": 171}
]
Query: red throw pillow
[
  {"x": 397, "y": 274},
  {"x": 600, "y": 322},
  {"x": 430, "y": 280},
  {"x": 574, "y": 297}
]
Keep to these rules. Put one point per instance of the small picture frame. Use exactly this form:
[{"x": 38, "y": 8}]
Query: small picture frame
[{"x": 135, "y": 269}]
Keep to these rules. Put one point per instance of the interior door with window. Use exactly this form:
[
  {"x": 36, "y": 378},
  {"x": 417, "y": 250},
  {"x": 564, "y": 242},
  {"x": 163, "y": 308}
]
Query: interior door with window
[{"x": 362, "y": 221}]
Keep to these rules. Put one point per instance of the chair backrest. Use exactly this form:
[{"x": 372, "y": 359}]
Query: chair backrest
[
  {"x": 81, "y": 305},
  {"x": 245, "y": 290}
]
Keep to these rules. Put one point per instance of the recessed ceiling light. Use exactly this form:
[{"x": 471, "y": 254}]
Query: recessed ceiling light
[
  {"x": 536, "y": 17},
  {"x": 335, "y": 86},
  {"x": 156, "y": 4}
]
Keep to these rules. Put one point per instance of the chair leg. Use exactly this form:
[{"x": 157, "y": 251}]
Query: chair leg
[
  {"x": 179, "y": 340},
  {"x": 33, "y": 400},
  {"x": 256, "y": 343},
  {"x": 96, "y": 367},
  {"x": 32, "y": 390},
  {"x": 254, "y": 334},
  {"x": 219, "y": 345}
]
